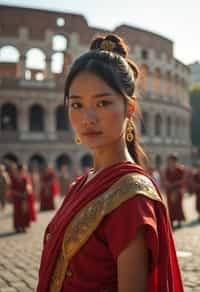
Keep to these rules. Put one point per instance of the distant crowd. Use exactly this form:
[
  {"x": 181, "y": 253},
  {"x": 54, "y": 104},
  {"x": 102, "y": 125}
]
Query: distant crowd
[{"x": 42, "y": 185}]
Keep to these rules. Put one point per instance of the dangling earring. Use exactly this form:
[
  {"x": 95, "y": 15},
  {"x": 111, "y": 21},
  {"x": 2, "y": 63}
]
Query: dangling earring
[
  {"x": 77, "y": 140},
  {"x": 129, "y": 131}
]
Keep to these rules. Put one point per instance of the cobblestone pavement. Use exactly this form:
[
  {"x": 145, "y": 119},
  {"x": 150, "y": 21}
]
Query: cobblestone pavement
[{"x": 20, "y": 253}]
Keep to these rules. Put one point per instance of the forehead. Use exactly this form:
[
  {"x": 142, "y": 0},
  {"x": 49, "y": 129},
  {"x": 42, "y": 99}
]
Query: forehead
[{"x": 86, "y": 81}]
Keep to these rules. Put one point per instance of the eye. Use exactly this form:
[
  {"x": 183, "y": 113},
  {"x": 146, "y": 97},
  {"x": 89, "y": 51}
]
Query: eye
[
  {"x": 75, "y": 105},
  {"x": 103, "y": 103}
]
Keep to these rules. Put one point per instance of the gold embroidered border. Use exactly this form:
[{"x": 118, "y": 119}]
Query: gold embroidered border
[{"x": 88, "y": 218}]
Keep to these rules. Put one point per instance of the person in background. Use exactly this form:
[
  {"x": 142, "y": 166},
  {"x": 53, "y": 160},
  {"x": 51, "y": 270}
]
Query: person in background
[
  {"x": 36, "y": 181},
  {"x": 196, "y": 187},
  {"x": 4, "y": 185},
  {"x": 174, "y": 177},
  {"x": 64, "y": 180},
  {"x": 49, "y": 189},
  {"x": 111, "y": 232},
  {"x": 20, "y": 190}
]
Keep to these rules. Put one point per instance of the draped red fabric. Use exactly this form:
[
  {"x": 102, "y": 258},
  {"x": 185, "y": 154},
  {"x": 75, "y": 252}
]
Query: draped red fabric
[
  {"x": 21, "y": 216},
  {"x": 166, "y": 275},
  {"x": 175, "y": 193},
  {"x": 49, "y": 189}
]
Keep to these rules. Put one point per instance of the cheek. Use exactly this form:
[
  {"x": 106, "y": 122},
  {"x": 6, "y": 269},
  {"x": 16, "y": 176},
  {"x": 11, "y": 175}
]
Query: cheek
[
  {"x": 74, "y": 119},
  {"x": 115, "y": 118}
]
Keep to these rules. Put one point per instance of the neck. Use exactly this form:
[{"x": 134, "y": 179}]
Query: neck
[{"x": 111, "y": 154}]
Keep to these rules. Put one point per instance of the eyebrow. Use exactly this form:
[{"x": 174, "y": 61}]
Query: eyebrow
[{"x": 103, "y": 94}]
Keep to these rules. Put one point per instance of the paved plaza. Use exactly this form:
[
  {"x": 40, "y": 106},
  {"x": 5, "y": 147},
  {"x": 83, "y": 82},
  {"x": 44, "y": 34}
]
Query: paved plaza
[{"x": 20, "y": 253}]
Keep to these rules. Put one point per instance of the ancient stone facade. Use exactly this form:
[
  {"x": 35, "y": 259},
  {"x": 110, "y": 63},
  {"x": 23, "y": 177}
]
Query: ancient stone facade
[{"x": 33, "y": 124}]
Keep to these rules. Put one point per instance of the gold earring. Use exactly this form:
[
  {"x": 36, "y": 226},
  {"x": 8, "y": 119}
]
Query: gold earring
[
  {"x": 77, "y": 140},
  {"x": 129, "y": 131}
]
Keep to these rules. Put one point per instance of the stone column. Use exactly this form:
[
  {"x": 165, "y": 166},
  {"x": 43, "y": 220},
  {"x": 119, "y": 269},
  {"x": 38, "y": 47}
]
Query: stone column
[
  {"x": 22, "y": 66},
  {"x": 49, "y": 74},
  {"x": 50, "y": 122},
  {"x": 23, "y": 119}
]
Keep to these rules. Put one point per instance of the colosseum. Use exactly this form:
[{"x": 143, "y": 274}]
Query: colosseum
[{"x": 36, "y": 49}]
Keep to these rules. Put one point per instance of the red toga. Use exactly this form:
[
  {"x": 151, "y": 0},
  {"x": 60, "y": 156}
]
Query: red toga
[{"x": 93, "y": 267}]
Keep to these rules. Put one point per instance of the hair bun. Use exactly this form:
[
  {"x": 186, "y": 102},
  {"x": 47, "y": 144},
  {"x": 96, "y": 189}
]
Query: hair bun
[{"x": 110, "y": 42}]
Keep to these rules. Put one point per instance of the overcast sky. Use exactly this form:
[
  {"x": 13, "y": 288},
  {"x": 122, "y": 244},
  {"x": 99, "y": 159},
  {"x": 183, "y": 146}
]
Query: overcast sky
[{"x": 178, "y": 20}]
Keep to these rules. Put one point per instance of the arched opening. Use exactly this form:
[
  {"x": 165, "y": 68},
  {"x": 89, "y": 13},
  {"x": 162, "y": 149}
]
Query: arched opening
[
  {"x": 57, "y": 63},
  {"x": 169, "y": 126},
  {"x": 8, "y": 117},
  {"x": 59, "y": 43},
  {"x": 62, "y": 121},
  {"x": 37, "y": 161},
  {"x": 177, "y": 123},
  {"x": 86, "y": 161},
  {"x": 63, "y": 159},
  {"x": 144, "y": 124},
  {"x": 158, "y": 125},
  {"x": 36, "y": 118},
  {"x": 35, "y": 65},
  {"x": 8, "y": 158},
  {"x": 9, "y": 61}
]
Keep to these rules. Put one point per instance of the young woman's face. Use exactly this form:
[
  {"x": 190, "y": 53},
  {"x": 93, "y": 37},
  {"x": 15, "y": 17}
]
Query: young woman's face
[{"x": 96, "y": 112}]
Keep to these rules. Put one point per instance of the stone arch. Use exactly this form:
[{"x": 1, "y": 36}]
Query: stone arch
[
  {"x": 9, "y": 60},
  {"x": 177, "y": 125},
  {"x": 9, "y": 54},
  {"x": 36, "y": 118},
  {"x": 63, "y": 159},
  {"x": 62, "y": 121},
  {"x": 86, "y": 161},
  {"x": 9, "y": 157},
  {"x": 37, "y": 160},
  {"x": 59, "y": 43},
  {"x": 169, "y": 126},
  {"x": 57, "y": 63},
  {"x": 8, "y": 117},
  {"x": 144, "y": 123},
  {"x": 35, "y": 64},
  {"x": 158, "y": 125}
]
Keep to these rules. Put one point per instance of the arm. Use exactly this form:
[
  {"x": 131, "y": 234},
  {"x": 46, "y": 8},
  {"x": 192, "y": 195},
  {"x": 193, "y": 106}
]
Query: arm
[{"x": 132, "y": 265}]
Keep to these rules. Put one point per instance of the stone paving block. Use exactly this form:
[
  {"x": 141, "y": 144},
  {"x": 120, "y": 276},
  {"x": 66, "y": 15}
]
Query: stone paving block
[
  {"x": 20, "y": 258},
  {"x": 8, "y": 289}
]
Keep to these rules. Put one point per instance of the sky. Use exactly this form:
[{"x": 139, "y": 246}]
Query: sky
[{"x": 178, "y": 20}]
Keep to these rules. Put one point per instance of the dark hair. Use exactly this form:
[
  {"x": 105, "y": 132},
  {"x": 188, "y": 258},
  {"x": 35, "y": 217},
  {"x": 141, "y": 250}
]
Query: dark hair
[{"x": 108, "y": 59}]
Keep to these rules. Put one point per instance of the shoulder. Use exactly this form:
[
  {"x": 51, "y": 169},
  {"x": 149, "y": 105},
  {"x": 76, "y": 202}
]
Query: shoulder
[{"x": 133, "y": 184}]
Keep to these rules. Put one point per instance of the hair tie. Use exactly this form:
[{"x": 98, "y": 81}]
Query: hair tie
[{"x": 107, "y": 45}]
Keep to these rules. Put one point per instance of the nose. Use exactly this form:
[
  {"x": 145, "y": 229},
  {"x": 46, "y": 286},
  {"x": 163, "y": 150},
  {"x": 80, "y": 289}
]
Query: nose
[{"x": 89, "y": 118}]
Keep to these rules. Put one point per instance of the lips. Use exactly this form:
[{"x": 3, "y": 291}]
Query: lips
[{"x": 91, "y": 133}]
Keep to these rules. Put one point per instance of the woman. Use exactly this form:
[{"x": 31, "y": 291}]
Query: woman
[
  {"x": 21, "y": 191},
  {"x": 111, "y": 232}
]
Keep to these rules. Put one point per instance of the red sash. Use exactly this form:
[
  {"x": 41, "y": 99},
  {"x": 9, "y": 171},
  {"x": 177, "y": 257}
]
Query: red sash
[{"x": 169, "y": 279}]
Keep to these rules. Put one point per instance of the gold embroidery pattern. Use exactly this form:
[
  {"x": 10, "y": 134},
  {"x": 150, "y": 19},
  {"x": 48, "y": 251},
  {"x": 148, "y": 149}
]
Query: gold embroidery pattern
[{"x": 88, "y": 218}]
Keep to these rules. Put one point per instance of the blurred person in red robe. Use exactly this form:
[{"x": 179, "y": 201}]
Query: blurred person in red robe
[
  {"x": 49, "y": 189},
  {"x": 196, "y": 187},
  {"x": 64, "y": 180},
  {"x": 111, "y": 232},
  {"x": 21, "y": 191},
  {"x": 174, "y": 178}
]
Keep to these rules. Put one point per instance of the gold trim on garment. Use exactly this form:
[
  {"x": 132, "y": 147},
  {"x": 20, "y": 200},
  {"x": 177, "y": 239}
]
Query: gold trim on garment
[{"x": 87, "y": 219}]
